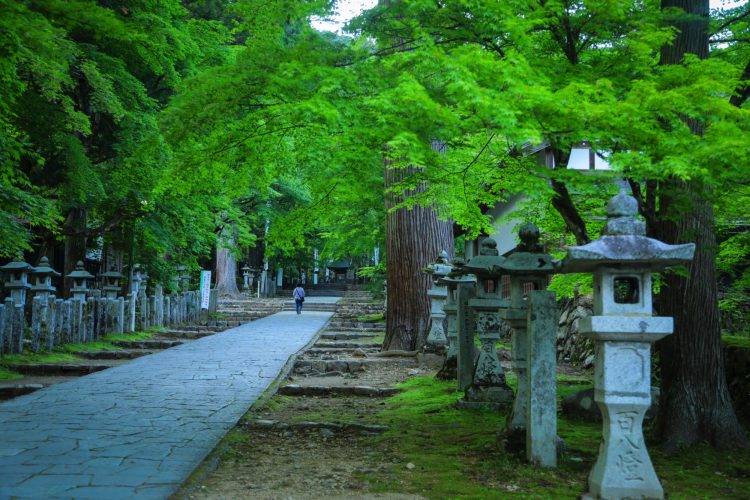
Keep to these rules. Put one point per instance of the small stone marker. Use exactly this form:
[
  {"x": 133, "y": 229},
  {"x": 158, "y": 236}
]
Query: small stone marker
[{"x": 623, "y": 329}]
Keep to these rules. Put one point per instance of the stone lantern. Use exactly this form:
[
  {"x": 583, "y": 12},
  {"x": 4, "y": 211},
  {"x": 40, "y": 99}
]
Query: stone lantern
[
  {"x": 623, "y": 330},
  {"x": 16, "y": 279},
  {"x": 184, "y": 277},
  {"x": 436, "y": 338},
  {"x": 489, "y": 387},
  {"x": 246, "y": 278},
  {"x": 80, "y": 277},
  {"x": 111, "y": 283},
  {"x": 43, "y": 275},
  {"x": 450, "y": 308},
  {"x": 529, "y": 265}
]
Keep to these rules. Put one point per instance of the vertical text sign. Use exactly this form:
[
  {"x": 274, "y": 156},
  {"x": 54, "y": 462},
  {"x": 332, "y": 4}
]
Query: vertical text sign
[{"x": 205, "y": 289}]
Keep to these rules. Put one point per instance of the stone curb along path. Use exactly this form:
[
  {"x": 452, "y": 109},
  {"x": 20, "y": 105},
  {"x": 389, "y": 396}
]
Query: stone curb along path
[{"x": 138, "y": 430}]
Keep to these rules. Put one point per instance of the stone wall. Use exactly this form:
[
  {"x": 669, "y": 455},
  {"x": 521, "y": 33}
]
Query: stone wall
[{"x": 572, "y": 348}]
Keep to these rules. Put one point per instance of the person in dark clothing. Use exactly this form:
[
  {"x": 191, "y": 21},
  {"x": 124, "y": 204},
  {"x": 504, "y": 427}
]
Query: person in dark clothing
[{"x": 299, "y": 297}]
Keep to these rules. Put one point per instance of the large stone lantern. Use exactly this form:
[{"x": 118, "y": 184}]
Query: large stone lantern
[
  {"x": 623, "y": 330},
  {"x": 529, "y": 268},
  {"x": 43, "y": 275},
  {"x": 80, "y": 279},
  {"x": 112, "y": 283},
  {"x": 436, "y": 338},
  {"x": 489, "y": 387},
  {"x": 16, "y": 279}
]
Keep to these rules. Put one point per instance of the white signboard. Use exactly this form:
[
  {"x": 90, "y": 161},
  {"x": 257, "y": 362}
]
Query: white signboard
[{"x": 205, "y": 289}]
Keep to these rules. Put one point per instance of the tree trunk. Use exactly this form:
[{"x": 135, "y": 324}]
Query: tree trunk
[
  {"x": 695, "y": 405},
  {"x": 226, "y": 268},
  {"x": 414, "y": 238},
  {"x": 75, "y": 243}
]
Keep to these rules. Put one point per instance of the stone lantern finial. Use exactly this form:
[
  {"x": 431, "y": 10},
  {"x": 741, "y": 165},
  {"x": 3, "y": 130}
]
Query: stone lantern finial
[
  {"x": 488, "y": 247},
  {"x": 622, "y": 211},
  {"x": 529, "y": 235}
]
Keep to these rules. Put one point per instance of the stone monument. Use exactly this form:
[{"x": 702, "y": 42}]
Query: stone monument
[
  {"x": 623, "y": 330},
  {"x": 17, "y": 279},
  {"x": 80, "y": 277},
  {"x": 43, "y": 275},
  {"x": 111, "y": 286}
]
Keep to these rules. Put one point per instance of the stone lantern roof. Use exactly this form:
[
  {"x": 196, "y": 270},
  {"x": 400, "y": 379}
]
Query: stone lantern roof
[
  {"x": 17, "y": 266},
  {"x": 623, "y": 244},
  {"x": 456, "y": 275},
  {"x": 44, "y": 269},
  {"x": 487, "y": 263},
  {"x": 80, "y": 273},
  {"x": 112, "y": 274},
  {"x": 528, "y": 257}
]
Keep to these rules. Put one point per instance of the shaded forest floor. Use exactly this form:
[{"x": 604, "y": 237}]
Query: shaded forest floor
[{"x": 430, "y": 449}]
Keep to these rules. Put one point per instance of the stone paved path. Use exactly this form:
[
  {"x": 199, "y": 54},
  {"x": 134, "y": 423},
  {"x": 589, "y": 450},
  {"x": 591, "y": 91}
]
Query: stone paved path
[{"x": 140, "y": 429}]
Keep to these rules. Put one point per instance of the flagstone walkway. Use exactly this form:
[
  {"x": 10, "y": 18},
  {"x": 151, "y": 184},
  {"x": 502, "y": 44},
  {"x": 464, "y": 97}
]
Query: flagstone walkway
[{"x": 140, "y": 429}]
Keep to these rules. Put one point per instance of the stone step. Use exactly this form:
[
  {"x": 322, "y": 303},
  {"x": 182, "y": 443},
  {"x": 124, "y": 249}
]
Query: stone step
[
  {"x": 60, "y": 369},
  {"x": 316, "y": 351},
  {"x": 329, "y": 335},
  {"x": 359, "y": 331},
  {"x": 190, "y": 335},
  {"x": 14, "y": 391},
  {"x": 346, "y": 390},
  {"x": 348, "y": 345},
  {"x": 147, "y": 344},
  {"x": 350, "y": 365},
  {"x": 114, "y": 354}
]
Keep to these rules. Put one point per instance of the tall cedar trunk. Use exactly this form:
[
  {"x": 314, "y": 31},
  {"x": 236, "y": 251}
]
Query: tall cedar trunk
[
  {"x": 226, "y": 268},
  {"x": 695, "y": 405},
  {"x": 414, "y": 238},
  {"x": 75, "y": 243}
]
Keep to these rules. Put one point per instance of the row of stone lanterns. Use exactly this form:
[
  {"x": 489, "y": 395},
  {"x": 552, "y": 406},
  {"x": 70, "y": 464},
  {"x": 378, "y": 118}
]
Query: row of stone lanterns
[
  {"x": 623, "y": 328},
  {"x": 18, "y": 272}
]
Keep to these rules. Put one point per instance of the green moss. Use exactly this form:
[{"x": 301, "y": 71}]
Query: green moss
[
  {"x": 455, "y": 453},
  {"x": 6, "y": 374},
  {"x": 28, "y": 358},
  {"x": 736, "y": 341},
  {"x": 372, "y": 318}
]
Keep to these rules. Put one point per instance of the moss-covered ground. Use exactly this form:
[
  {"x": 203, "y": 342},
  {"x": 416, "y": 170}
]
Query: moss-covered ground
[
  {"x": 455, "y": 455},
  {"x": 64, "y": 353}
]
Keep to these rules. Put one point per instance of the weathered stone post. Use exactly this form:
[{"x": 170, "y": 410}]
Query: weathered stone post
[
  {"x": 541, "y": 406},
  {"x": 18, "y": 327},
  {"x": 120, "y": 323},
  {"x": 528, "y": 268},
  {"x": 467, "y": 351},
  {"x": 437, "y": 341},
  {"x": 623, "y": 330},
  {"x": 2, "y": 329},
  {"x": 16, "y": 279},
  {"x": 451, "y": 283},
  {"x": 57, "y": 318},
  {"x": 489, "y": 388},
  {"x": 36, "y": 322}
]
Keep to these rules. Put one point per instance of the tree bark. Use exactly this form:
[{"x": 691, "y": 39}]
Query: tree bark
[
  {"x": 226, "y": 268},
  {"x": 414, "y": 238},
  {"x": 695, "y": 405}
]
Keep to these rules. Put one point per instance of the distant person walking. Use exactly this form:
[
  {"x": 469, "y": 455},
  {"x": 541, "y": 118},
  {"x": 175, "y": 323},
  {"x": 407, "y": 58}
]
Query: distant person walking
[{"x": 299, "y": 297}]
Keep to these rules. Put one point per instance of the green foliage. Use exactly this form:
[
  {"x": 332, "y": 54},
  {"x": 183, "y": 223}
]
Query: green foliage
[{"x": 6, "y": 374}]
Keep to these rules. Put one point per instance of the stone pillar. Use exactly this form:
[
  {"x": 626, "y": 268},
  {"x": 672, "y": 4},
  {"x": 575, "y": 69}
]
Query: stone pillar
[
  {"x": 279, "y": 277},
  {"x": 65, "y": 317},
  {"x": 541, "y": 412},
  {"x": 449, "y": 370},
  {"x": 56, "y": 319},
  {"x": 465, "y": 335},
  {"x": 120, "y": 323},
  {"x": 36, "y": 322},
  {"x": 2, "y": 329},
  {"x": 8, "y": 340},
  {"x": 18, "y": 327},
  {"x": 437, "y": 341},
  {"x": 131, "y": 312}
]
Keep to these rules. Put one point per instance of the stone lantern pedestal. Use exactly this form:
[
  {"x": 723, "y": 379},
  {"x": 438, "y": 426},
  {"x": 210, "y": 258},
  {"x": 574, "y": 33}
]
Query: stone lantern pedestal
[
  {"x": 623, "y": 330},
  {"x": 488, "y": 388}
]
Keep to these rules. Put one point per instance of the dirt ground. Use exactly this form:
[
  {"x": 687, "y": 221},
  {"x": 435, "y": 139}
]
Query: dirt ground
[{"x": 296, "y": 463}]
